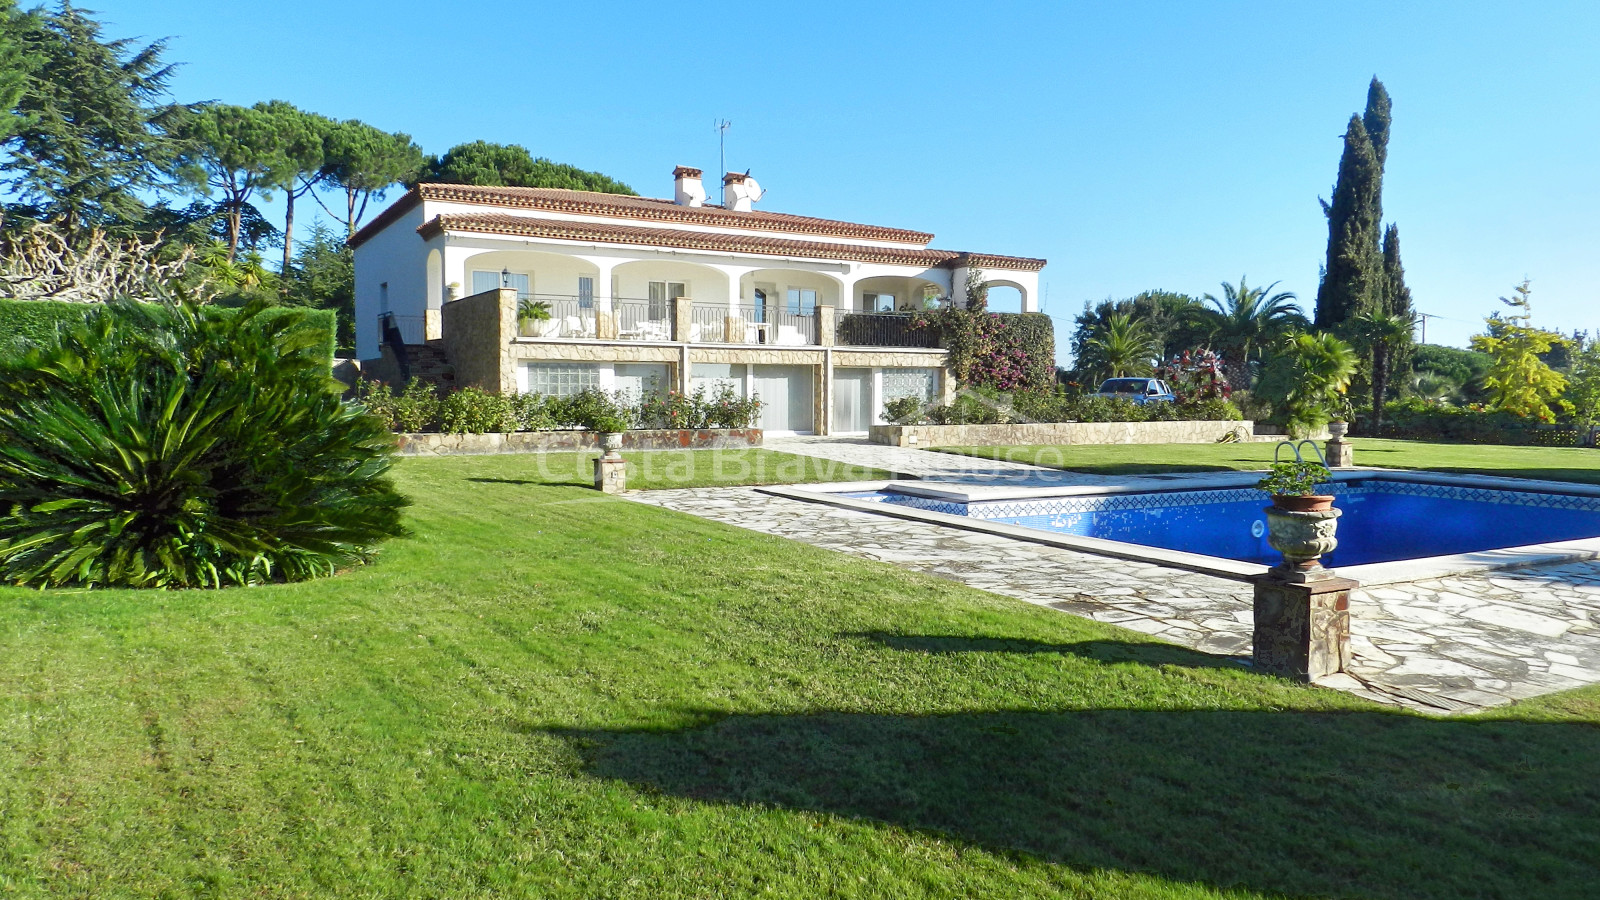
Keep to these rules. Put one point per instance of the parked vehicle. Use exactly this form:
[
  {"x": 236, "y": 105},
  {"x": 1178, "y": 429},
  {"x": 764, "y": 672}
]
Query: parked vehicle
[{"x": 1139, "y": 390}]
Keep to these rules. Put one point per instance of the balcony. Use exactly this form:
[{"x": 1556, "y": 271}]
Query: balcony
[
  {"x": 574, "y": 317},
  {"x": 880, "y": 329},
  {"x": 723, "y": 323}
]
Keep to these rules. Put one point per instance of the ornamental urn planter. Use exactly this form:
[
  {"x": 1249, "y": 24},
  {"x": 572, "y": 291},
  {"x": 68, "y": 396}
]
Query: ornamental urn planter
[
  {"x": 611, "y": 442},
  {"x": 1337, "y": 430},
  {"x": 1303, "y": 536}
]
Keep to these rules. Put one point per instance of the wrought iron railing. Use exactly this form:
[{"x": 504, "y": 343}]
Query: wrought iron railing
[
  {"x": 885, "y": 329},
  {"x": 723, "y": 323}
]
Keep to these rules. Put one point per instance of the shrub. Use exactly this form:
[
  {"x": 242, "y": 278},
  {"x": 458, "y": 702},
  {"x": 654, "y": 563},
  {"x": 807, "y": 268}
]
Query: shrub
[
  {"x": 533, "y": 413},
  {"x": 1004, "y": 351},
  {"x": 904, "y": 411},
  {"x": 415, "y": 409},
  {"x": 185, "y": 446},
  {"x": 473, "y": 410}
]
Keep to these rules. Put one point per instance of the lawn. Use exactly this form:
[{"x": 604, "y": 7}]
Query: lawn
[
  {"x": 1553, "y": 463},
  {"x": 658, "y": 469},
  {"x": 549, "y": 692}
]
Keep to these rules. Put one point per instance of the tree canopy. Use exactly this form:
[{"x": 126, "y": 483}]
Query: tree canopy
[
  {"x": 364, "y": 162},
  {"x": 1353, "y": 270},
  {"x": 511, "y": 165},
  {"x": 92, "y": 128}
]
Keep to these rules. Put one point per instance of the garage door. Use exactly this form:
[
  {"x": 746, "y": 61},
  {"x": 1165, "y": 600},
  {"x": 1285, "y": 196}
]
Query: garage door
[
  {"x": 786, "y": 395},
  {"x": 852, "y": 400}
]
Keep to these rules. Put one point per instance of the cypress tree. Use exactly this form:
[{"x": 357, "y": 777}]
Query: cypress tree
[
  {"x": 1397, "y": 301},
  {"x": 1353, "y": 273}
]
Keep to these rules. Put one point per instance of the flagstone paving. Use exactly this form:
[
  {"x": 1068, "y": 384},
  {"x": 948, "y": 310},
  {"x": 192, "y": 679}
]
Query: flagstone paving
[{"x": 1443, "y": 645}]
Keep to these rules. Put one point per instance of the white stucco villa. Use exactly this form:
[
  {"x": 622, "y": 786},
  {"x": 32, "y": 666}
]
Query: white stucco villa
[{"x": 809, "y": 314}]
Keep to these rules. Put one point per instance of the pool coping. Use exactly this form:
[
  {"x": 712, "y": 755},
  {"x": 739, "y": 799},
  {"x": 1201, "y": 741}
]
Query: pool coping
[{"x": 1372, "y": 574}]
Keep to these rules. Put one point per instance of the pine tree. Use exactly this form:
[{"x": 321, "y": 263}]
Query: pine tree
[
  {"x": 94, "y": 133},
  {"x": 1353, "y": 272}
]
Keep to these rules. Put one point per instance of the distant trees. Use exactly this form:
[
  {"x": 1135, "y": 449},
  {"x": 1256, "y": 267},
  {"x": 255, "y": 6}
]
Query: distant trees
[
  {"x": 1125, "y": 347},
  {"x": 364, "y": 162},
  {"x": 511, "y": 165}
]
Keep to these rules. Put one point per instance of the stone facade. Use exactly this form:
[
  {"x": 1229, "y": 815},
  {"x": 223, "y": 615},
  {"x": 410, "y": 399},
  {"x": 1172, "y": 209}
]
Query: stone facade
[
  {"x": 1187, "y": 432},
  {"x": 435, "y": 444},
  {"x": 478, "y": 331}
]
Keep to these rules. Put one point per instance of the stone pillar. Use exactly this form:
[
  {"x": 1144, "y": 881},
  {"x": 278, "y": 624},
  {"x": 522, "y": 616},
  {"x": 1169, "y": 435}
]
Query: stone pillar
[
  {"x": 682, "y": 309},
  {"x": 1340, "y": 453},
  {"x": 1302, "y": 628},
  {"x": 610, "y": 475},
  {"x": 827, "y": 324}
]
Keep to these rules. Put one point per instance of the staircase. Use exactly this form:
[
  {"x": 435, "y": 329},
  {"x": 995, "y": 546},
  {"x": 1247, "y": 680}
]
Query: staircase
[{"x": 431, "y": 363}]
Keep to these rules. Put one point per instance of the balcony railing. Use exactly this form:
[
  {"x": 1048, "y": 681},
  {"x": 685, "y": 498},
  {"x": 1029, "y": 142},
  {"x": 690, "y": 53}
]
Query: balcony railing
[
  {"x": 722, "y": 323},
  {"x": 411, "y": 329},
  {"x": 874, "y": 329},
  {"x": 585, "y": 317}
]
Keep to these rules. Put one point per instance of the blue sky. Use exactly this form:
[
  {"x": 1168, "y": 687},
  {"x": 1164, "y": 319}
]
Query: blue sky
[{"x": 1135, "y": 145}]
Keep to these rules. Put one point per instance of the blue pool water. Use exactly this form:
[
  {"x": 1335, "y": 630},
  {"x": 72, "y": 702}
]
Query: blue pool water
[{"x": 1383, "y": 521}]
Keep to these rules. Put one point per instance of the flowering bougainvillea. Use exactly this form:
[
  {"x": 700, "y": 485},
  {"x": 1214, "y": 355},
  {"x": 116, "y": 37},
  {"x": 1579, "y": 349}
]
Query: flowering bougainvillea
[
  {"x": 1196, "y": 375},
  {"x": 1005, "y": 351}
]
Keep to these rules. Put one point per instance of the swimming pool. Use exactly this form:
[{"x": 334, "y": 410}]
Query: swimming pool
[{"x": 1383, "y": 520}]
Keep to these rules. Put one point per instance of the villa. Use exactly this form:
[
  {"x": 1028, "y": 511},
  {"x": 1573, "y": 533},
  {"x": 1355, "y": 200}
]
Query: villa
[{"x": 811, "y": 315}]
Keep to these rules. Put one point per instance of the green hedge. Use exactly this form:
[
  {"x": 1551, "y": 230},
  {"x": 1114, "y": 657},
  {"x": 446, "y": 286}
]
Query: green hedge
[{"x": 35, "y": 321}]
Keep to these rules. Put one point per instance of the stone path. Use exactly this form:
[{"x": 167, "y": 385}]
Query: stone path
[{"x": 1448, "y": 645}]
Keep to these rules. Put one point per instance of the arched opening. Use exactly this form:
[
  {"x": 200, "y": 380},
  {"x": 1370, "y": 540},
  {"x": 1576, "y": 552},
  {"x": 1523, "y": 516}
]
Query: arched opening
[
  {"x": 895, "y": 293},
  {"x": 435, "y": 279},
  {"x": 1005, "y": 296}
]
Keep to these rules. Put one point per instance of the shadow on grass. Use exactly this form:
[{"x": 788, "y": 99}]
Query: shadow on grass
[
  {"x": 1151, "y": 654},
  {"x": 1355, "y": 804},
  {"x": 1366, "y": 804}
]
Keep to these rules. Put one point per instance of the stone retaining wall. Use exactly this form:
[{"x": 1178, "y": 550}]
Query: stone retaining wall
[
  {"x": 435, "y": 444},
  {"x": 1188, "y": 432}
]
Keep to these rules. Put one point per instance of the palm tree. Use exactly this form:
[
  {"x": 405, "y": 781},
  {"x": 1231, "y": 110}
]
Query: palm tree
[
  {"x": 1246, "y": 319},
  {"x": 1125, "y": 347},
  {"x": 1323, "y": 365},
  {"x": 1382, "y": 333}
]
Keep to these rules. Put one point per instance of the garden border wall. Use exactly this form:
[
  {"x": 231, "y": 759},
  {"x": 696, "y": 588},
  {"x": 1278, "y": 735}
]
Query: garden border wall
[
  {"x": 439, "y": 444},
  {"x": 1184, "y": 432}
]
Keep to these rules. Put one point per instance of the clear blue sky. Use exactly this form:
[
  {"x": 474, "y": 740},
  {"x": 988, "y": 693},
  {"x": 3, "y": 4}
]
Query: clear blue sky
[{"x": 1135, "y": 145}]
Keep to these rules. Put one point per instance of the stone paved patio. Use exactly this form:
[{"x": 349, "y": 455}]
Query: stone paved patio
[{"x": 1445, "y": 645}]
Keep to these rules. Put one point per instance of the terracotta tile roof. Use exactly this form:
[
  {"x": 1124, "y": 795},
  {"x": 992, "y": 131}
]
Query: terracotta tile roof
[
  {"x": 628, "y": 207},
  {"x": 500, "y": 223}
]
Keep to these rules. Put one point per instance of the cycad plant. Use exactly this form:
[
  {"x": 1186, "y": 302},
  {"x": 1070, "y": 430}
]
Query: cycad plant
[{"x": 186, "y": 446}]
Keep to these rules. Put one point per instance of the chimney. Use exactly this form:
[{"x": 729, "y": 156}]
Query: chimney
[
  {"x": 742, "y": 190},
  {"x": 686, "y": 187}
]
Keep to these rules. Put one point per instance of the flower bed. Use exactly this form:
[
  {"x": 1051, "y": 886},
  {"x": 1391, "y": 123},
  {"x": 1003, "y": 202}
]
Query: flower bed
[{"x": 436, "y": 443}]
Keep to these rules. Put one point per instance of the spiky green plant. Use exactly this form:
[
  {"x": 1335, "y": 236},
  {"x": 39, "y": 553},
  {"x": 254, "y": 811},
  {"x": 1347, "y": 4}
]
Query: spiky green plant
[{"x": 180, "y": 446}]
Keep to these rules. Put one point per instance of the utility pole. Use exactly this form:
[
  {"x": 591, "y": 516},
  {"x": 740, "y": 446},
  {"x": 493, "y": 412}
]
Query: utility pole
[
  {"x": 1425, "y": 317},
  {"x": 722, "y": 157}
]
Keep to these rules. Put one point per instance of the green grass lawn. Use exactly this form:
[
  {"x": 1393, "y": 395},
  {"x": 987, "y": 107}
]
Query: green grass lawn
[
  {"x": 1554, "y": 463},
  {"x": 548, "y": 692},
  {"x": 652, "y": 470}
]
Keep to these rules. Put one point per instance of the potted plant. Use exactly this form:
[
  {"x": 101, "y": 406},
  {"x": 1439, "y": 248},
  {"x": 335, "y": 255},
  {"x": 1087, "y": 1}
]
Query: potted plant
[
  {"x": 610, "y": 428},
  {"x": 1293, "y": 486},
  {"x": 529, "y": 312},
  {"x": 1301, "y": 523}
]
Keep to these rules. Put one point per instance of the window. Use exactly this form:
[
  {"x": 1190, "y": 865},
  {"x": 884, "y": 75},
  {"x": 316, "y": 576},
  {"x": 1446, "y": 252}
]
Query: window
[
  {"x": 489, "y": 281},
  {"x": 559, "y": 379},
  {"x": 802, "y": 301},
  {"x": 920, "y": 383},
  {"x": 662, "y": 293},
  {"x": 585, "y": 292},
  {"x": 761, "y": 305},
  {"x": 878, "y": 302},
  {"x": 636, "y": 380},
  {"x": 383, "y": 297}
]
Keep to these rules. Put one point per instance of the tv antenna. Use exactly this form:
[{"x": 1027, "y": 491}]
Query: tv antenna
[{"x": 722, "y": 156}]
